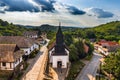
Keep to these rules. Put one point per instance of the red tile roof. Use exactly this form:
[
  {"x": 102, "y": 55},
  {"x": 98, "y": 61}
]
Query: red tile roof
[{"x": 110, "y": 43}]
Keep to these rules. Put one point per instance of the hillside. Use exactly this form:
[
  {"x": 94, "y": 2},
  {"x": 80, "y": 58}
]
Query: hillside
[
  {"x": 8, "y": 29},
  {"x": 110, "y": 31},
  {"x": 47, "y": 28}
]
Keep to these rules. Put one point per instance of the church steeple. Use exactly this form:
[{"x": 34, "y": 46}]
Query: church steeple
[
  {"x": 59, "y": 53},
  {"x": 59, "y": 36},
  {"x": 60, "y": 45}
]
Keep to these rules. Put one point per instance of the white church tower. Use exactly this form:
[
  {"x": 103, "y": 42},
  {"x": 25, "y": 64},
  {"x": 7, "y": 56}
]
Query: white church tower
[{"x": 59, "y": 54}]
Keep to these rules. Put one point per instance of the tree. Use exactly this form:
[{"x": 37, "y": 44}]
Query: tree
[
  {"x": 91, "y": 47},
  {"x": 73, "y": 53},
  {"x": 112, "y": 64},
  {"x": 68, "y": 38},
  {"x": 80, "y": 48},
  {"x": 90, "y": 34}
]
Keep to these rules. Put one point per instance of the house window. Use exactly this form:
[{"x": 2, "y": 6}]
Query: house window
[{"x": 3, "y": 64}]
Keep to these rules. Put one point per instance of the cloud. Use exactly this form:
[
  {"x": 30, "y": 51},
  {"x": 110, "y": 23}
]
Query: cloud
[
  {"x": 64, "y": 8},
  {"x": 28, "y": 5},
  {"x": 3, "y": 7},
  {"x": 100, "y": 13},
  {"x": 38, "y": 6},
  {"x": 75, "y": 11},
  {"x": 46, "y": 5},
  {"x": 38, "y": 12}
]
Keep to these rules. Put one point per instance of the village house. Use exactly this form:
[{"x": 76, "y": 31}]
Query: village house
[
  {"x": 44, "y": 35},
  {"x": 59, "y": 53},
  {"x": 25, "y": 44},
  {"x": 31, "y": 34},
  {"x": 34, "y": 35},
  {"x": 106, "y": 46},
  {"x": 10, "y": 56},
  {"x": 110, "y": 45},
  {"x": 40, "y": 41},
  {"x": 101, "y": 49}
]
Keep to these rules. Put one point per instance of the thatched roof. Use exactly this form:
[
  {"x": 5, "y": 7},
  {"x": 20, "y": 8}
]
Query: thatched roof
[
  {"x": 30, "y": 33},
  {"x": 10, "y": 52},
  {"x": 21, "y": 41}
]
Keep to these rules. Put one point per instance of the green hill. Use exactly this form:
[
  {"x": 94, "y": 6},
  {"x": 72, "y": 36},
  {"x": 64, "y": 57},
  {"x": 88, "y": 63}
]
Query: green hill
[
  {"x": 8, "y": 29},
  {"x": 109, "y": 31},
  {"x": 47, "y": 28}
]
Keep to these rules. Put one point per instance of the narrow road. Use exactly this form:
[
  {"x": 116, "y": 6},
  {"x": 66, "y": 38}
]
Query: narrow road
[
  {"x": 89, "y": 71},
  {"x": 37, "y": 71}
]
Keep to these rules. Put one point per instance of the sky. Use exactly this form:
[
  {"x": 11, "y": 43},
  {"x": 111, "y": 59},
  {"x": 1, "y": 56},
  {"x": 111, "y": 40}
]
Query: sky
[{"x": 73, "y": 13}]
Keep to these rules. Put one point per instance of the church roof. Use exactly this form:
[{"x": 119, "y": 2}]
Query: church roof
[{"x": 59, "y": 44}]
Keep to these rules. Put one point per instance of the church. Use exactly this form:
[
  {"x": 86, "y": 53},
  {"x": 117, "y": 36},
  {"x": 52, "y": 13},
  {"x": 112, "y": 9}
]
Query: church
[{"x": 59, "y": 53}]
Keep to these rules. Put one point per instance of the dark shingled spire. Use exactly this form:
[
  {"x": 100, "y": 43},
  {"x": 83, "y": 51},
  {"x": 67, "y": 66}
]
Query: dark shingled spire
[{"x": 60, "y": 45}]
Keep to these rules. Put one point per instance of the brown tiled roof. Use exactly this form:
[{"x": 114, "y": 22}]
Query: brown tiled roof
[
  {"x": 50, "y": 47},
  {"x": 110, "y": 43},
  {"x": 30, "y": 33},
  {"x": 21, "y": 41},
  {"x": 9, "y": 52}
]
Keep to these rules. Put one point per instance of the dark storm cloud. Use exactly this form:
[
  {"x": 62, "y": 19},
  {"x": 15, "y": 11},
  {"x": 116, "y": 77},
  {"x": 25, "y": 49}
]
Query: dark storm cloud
[
  {"x": 42, "y": 5},
  {"x": 46, "y": 5},
  {"x": 75, "y": 11},
  {"x": 25, "y": 5},
  {"x": 2, "y": 4},
  {"x": 19, "y": 5}
]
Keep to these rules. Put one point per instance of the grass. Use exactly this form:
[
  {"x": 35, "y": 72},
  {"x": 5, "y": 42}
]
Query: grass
[{"x": 74, "y": 70}]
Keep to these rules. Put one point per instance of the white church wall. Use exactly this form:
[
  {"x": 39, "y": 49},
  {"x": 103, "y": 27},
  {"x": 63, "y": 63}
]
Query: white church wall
[{"x": 64, "y": 60}]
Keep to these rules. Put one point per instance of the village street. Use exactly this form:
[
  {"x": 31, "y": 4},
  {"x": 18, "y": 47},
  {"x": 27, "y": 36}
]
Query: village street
[
  {"x": 89, "y": 71},
  {"x": 36, "y": 72}
]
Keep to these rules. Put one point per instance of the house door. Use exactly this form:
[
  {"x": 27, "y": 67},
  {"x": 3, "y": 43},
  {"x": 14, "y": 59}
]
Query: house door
[{"x": 59, "y": 64}]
